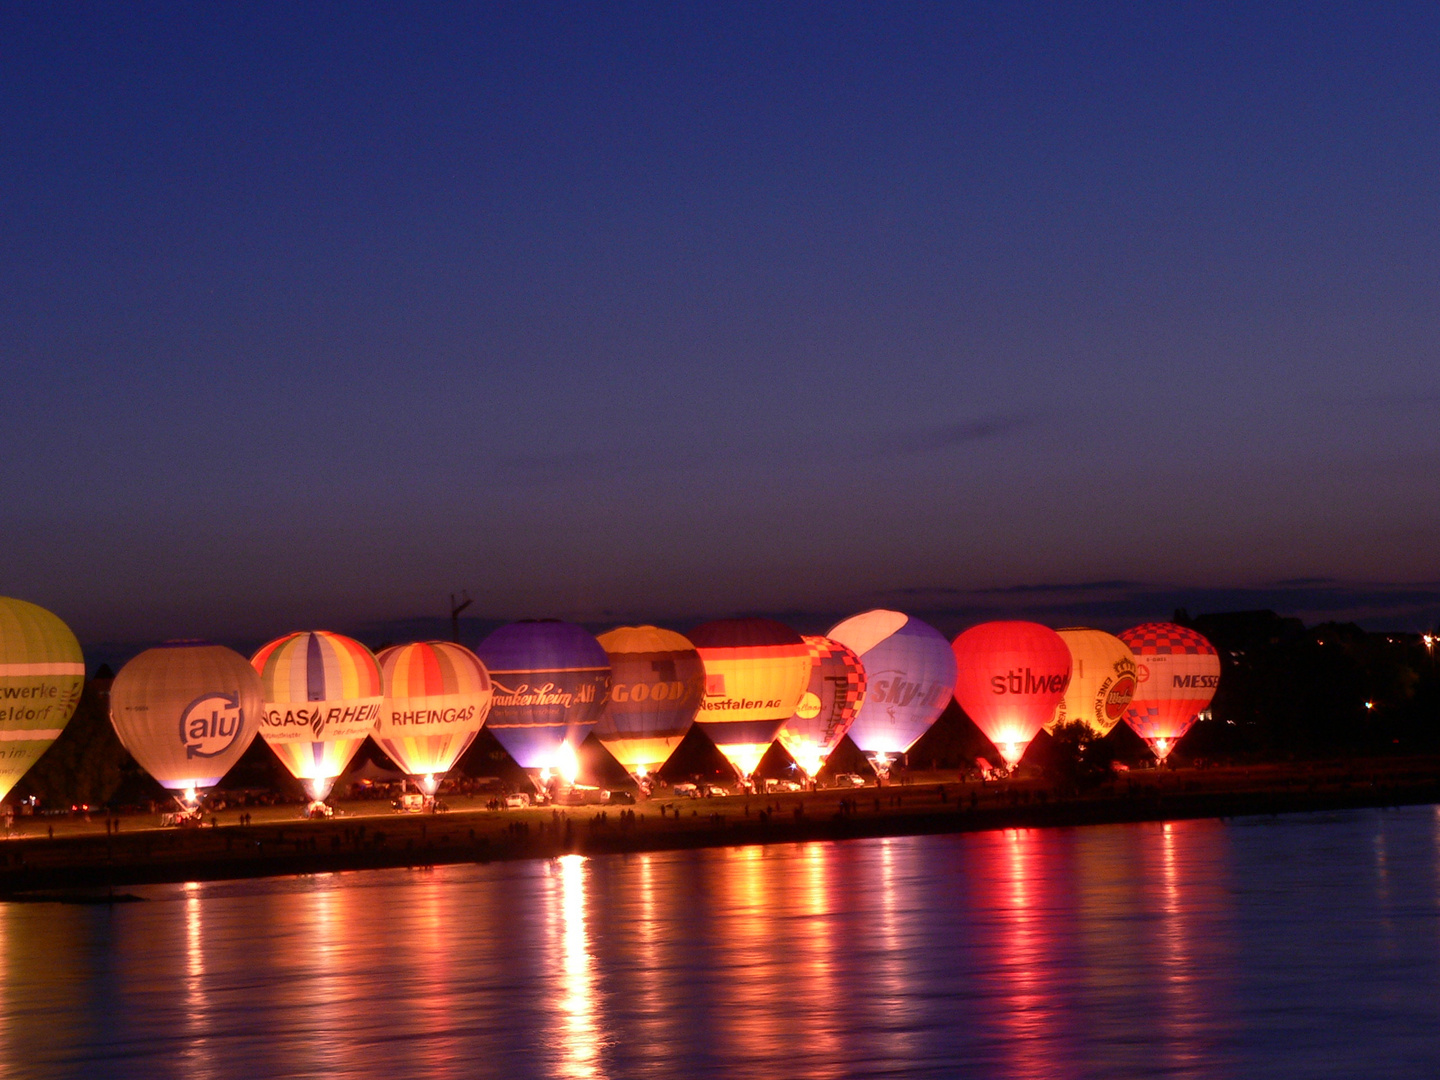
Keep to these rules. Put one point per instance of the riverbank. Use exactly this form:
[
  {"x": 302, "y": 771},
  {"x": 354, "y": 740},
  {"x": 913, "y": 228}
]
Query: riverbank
[{"x": 87, "y": 855}]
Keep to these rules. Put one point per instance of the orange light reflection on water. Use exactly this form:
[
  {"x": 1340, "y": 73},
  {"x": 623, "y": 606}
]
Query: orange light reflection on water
[
  {"x": 749, "y": 1025},
  {"x": 196, "y": 1055},
  {"x": 815, "y": 968},
  {"x": 578, "y": 1039}
]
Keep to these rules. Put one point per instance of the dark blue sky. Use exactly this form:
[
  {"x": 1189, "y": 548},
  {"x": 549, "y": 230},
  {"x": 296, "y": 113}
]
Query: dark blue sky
[{"x": 311, "y": 314}]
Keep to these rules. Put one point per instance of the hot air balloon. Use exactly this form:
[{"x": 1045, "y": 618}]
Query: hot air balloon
[
  {"x": 1010, "y": 677},
  {"x": 322, "y": 698},
  {"x": 550, "y": 679},
  {"x": 1102, "y": 680},
  {"x": 186, "y": 711},
  {"x": 829, "y": 705},
  {"x": 910, "y": 673},
  {"x": 1176, "y": 673},
  {"x": 41, "y": 675},
  {"x": 657, "y": 685},
  {"x": 437, "y": 696},
  {"x": 755, "y": 672}
]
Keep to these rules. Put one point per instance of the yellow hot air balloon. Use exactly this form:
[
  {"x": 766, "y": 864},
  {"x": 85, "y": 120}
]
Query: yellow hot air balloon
[
  {"x": 755, "y": 673},
  {"x": 1102, "y": 680},
  {"x": 186, "y": 711},
  {"x": 656, "y": 686},
  {"x": 41, "y": 675},
  {"x": 323, "y": 693}
]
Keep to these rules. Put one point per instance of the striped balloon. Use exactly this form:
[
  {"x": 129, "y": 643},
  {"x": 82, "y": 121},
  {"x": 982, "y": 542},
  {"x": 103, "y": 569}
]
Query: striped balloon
[
  {"x": 437, "y": 695},
  {"x": 755, "y": 673},
  {"x": 322, "y": 695},
  {"x": 41, "y": 675}
]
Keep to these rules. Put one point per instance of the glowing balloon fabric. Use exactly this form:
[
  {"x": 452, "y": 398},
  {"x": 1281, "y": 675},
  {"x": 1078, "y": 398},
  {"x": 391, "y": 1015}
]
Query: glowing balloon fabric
[
  {"x": 437, "y": 695},
  {"x": 910, "y": 673},
  {"x": 550, "y": 680},
  {"x": 322, "y": 698},
  {"x": 41, "y": 675},
  {"x": 1177, "y": 671},
  {"x": 829, "y": 705},
  {"x": 1011, "y": 677},
  {"x": 1102, "y": 680},
  {"x": 186, "y": 711},
  {"x": 755, "y": 672},
  {"x": 657, "y": 685}
]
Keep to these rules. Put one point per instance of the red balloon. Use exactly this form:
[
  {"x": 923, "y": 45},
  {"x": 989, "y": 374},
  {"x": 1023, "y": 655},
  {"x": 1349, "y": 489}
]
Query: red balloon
[{"x": 1011, "y": 677}]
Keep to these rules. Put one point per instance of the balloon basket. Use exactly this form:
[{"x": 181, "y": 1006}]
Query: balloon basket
[{"x": 187, "y": 813}]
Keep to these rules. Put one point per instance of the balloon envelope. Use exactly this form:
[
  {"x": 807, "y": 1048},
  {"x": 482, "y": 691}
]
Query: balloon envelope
[
  {"x": 656, "y": 686},
  {"x": 829, "y": 705},
  {"x": 41, "y": 675},
  {"x": 1011, "y": 677},
  {"x": 322, "y": 698},
  {"x": 1102, "y": 680},
  {"x": 550, "y": 680},
  {"x": 755, "y": 672},
  {"x": 910, "y": 673},
  {"x": 1176, "y": 674},
  {"x": 437, "y": 695},
  {"x": 186, "y": 711}
]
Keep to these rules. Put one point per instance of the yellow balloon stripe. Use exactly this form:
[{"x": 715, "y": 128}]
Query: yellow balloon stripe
[{"x": 20, "y": 671}]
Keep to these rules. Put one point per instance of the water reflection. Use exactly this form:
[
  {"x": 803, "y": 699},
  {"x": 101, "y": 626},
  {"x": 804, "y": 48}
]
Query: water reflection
[
  {"x": 1025, "y": 1000},
  {"x": 818, "y": 1030},
  {"x": 578, "y": 1030},
  {"x": 1296, "y": 947},
  {"x": 196, "y": 1051},
  {"x": 1181, "y": 1008}
]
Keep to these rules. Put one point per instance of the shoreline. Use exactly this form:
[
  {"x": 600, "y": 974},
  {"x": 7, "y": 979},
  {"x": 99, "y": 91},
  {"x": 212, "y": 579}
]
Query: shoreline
[{"x": 143, "y": 854}]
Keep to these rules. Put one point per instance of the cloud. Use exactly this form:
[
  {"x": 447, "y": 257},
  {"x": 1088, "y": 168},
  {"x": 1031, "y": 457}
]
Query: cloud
[
  {"x": 1113, "y": 605},
  {"x": 961, "y": 433},
  {"x": 1063, "y": 587}
]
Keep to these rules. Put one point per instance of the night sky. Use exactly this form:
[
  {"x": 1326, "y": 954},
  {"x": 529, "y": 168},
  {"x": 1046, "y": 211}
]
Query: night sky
[{"x": 311, "y": 314}]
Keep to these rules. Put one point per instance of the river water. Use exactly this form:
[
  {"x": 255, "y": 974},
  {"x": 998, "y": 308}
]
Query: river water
[{"x": 1300, "y": 946}]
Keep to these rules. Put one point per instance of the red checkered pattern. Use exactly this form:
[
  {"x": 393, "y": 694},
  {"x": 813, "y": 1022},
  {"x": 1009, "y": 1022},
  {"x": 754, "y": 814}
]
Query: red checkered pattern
[
  {"x": 837, "y": 662},
  {"x": 1166, "y": 639}
]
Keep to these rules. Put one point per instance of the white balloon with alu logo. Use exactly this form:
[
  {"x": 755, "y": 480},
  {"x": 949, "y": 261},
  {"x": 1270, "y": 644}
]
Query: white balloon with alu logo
[{"x": 186, "y": 711}]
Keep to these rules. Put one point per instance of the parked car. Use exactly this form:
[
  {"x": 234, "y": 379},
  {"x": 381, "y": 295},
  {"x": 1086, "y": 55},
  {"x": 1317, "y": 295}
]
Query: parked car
[
  {"x": 517, "y": 801},
  {"x": 615, "y": 798},
  {"x": 849, "y": 779},
  {"x": 715, "y": 791},
  {"x": 784, "y": 785},
  {"x": 685, "y": 791}
]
